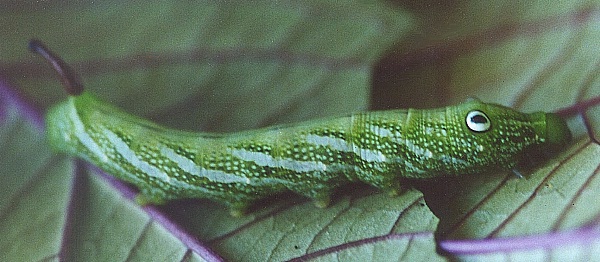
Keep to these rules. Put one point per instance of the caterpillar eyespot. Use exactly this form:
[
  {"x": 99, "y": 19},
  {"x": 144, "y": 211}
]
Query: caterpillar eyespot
[
  {"x": 477, "y": 121},
  {"x": 311, "y": 158}
]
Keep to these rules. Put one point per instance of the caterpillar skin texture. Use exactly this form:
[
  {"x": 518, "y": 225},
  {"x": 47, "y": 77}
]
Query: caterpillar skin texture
[{"x": 311, "y": 158}]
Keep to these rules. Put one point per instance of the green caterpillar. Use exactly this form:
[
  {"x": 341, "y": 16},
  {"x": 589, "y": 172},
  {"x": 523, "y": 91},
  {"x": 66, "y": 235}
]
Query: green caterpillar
[{"x": 310, "y": 158}]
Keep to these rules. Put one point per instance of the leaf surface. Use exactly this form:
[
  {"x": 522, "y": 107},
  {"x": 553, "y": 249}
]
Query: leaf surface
[{"x": 224, "y": 66}]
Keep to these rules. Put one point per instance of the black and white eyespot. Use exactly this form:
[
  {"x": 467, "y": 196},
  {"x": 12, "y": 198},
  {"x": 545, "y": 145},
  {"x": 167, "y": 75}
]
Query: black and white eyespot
[{"x": 477, "y": 121}]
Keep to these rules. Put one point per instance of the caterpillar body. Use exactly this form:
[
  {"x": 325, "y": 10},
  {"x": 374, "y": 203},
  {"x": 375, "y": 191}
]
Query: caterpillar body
[{"x": 310, "y": 158}]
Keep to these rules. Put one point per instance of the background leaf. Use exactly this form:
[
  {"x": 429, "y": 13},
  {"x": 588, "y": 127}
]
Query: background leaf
[
  {"x": 230, "y": 65},
  {"x": 539, "y": 58},
  {"x": 33, "y": 177},
  {"x": 214, "y": 65}
]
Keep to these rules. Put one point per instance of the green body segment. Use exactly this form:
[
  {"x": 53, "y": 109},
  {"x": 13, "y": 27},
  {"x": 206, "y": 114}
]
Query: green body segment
[{"x": 310, "y": 158}]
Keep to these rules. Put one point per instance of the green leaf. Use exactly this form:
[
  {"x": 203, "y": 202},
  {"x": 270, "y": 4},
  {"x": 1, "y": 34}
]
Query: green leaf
[
  {"x": 105, "y": 226},
  {"x": 286, "y": 229},
  {"x": 31, "y": 178},
  {"x": 226, "y": 66},
  {"x": 232, "y": 65},
  {"x": 217, "y": 65},
  {"x": 542, "y": 58}
]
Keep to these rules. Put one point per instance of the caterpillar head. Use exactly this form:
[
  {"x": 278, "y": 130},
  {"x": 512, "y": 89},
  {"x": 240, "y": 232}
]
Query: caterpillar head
[{"x": 503, "y": 137}]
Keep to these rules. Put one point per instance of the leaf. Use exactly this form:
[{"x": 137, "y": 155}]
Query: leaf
[
  {"x": 120, "y": 230},
  {"x": 542, "y": 61},
  {"x": 226, "y": 66},
  {"x": 367, "y": 223},
  {"x": 262, "y": 62},
  {"x": 46, "y": 216},
  {"x": 39, "y": 179},
  {"x": 220, "y": 68}
]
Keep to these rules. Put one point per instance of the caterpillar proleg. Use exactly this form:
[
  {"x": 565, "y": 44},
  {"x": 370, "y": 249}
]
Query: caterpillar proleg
[{"x": 311, "y": 158}]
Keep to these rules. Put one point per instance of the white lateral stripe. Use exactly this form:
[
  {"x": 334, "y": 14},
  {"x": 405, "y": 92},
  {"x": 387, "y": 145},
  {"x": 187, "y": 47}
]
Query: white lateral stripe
[
  {"x": 84, "y": 137},
  {"x": 332, "y": 142},
  {"x": 416, "y": 149},
  {"x": 341, "y": 145},
  {"x": 189, "y": 166},
  {"x": 384, "y": 132},
  {"x": 262, "y": 159},
  {"x": 184, "y": 163},
  {"x": 396, "y": 137},
  {"x": 123, "y": 149},
  {"x": 370, "y": 155}
]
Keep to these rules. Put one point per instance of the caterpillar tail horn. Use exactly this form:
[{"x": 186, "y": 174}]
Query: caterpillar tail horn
[{"x": 69, "y": 78}]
